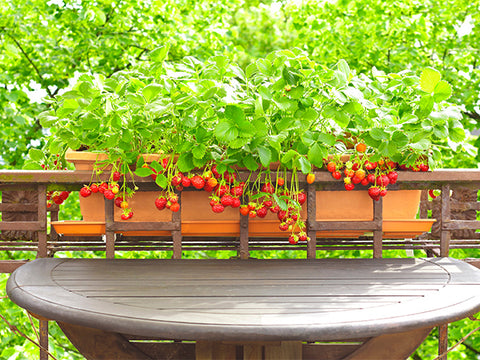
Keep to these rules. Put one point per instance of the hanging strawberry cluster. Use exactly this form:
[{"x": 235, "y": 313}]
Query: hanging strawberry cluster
[
  {"x": 376, "y": 175},
  {"x": 111, "y": 190},
  {"x": 254, "y": 199},
  {"x": 55, "y": 196}
]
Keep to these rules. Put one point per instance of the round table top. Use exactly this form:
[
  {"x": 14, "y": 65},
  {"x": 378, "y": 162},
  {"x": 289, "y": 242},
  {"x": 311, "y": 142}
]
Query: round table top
[{"x": 249, "y": 300}]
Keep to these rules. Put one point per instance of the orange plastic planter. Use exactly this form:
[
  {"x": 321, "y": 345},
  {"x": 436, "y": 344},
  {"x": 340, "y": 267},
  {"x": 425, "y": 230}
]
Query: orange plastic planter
[{"x": 198, "y": 219}]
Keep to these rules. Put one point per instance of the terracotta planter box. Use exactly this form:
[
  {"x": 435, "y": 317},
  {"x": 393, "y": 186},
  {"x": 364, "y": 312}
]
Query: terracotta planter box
[{"x": 199, "y": 220}]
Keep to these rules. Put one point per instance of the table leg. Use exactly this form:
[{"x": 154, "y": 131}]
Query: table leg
[
  {"x": 95, "y": 344},
  {"x": 390, "y": 346}
]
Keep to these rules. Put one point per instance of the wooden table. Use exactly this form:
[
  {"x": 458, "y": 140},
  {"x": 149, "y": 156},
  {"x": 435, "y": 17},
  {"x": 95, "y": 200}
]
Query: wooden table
[{"x": 248, "y": 309}]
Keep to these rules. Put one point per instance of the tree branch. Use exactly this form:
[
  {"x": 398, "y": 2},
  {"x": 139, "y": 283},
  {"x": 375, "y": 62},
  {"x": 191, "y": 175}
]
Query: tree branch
[
  {"x": 472, "y": 114},
  {"x": 42, "y": 80}
]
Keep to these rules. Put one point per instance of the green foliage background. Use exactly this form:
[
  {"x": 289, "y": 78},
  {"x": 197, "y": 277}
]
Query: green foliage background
[{"x": 44, "y": 44}]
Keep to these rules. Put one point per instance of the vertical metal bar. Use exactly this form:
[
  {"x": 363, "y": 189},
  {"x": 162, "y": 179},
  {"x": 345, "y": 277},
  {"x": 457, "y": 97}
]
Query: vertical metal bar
[
  {"x": 42, "y": 219},
  {"x": 311, "y": 220},
  {"x": 43, "y": 334},
  {"x": 445, "y": 234},
  {"x": 177, "y": 234},
  {"x": 243, "y": 248},
  {"x": 442, "y": 341},
  {"x": 109, "y": 230},
  {"x": 378, "y": 234}
]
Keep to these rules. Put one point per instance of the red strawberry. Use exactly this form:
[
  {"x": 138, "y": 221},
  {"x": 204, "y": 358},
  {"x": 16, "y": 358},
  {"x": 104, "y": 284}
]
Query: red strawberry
[
  {"x": 222, "y": 190},
  {"x": 293, "y": 239},
  {"x": 392, "y": 177},
  {"x": 198, "y": 182},
  {"x": 103, "y": 187},
  {"x": 423, "y": 167},
  {"x": 94, "y": 188},
  {"x": 268, "y": 188},
  {"x": 331, "y": 166},
  {"x": 252, "y": 206},
  {"x": 364, "y": 182},
  {"x": 337, "y": 175},
  {"x": 268, "y": 203},
  {"x": 382, "y": 180},
  {"x": 218, "y": 208},
  {"x": 116, "y": 176},
  {"x": 371, "y": 178},
  {"x": 164, "y": 163},
  {"x": 244, "y": 210},
  {"x": 118, "y": 201},
  {"x": 64, "y": 195},
  {"x": 280, "y": 181},
  {"x": 252, "y": 213},
  {"x": 383, "y": 192},
  {"x": 208, "y": 188},
  {"x": 154, "y": 175},
  {"x": 374, "y": 192},
  {"x": 85, "y": 191},
  {"x": 127, "y": 214},
  {"x": 302, "y": 236},
  {"x": 349, "y": 186},
  {"x": 177, "y": 179},
  {"x": 236, "y": 202},
  {"x": 173, "y": 198},
  {"x": 275, "y": 209},
  {"x": 175, "y": 207},
  {"x": 230, "y": 178},
  {"x": 370, "y": 165},
  {"x": 237, "y": 191},
  {"x": 283, "y": 226},
  {"x": 356, "y": 179},
  {"x": 109, "y": 194},
  {"x": 57, "y": 199},
  {"x": 186, "y": 182},
  {"x": 160, "y": 202},
  {"x": 262, "y": 212},
  {"x": 215, "y": 172},
  {"x": 282, "y": 214},
  {"x": 226, "y": 200},
  {"x": 301, "y": 198},
  {"x": 392, "y": 165}
]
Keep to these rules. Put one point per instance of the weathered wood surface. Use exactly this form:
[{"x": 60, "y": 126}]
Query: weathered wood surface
[
  {"x": 244, "y": 300},
  {"x": 9, "y": 266},
  {"x": 75, "y": 179}
]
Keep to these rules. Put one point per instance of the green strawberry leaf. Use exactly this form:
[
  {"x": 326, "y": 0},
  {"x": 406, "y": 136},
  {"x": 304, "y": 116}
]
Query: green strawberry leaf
[
  {"x": 443, "y": 90},
  {"x": 429, "y": 79},
  {"x": 161, "y": 181},
  {"x": 143, "y": 171}
]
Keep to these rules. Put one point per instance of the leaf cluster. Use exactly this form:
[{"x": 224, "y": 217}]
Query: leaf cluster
[{"x": 283, "y": 108}]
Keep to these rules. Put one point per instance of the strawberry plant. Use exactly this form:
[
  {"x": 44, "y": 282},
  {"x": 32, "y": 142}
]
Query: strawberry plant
[{"x": 206, "y": 119}]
